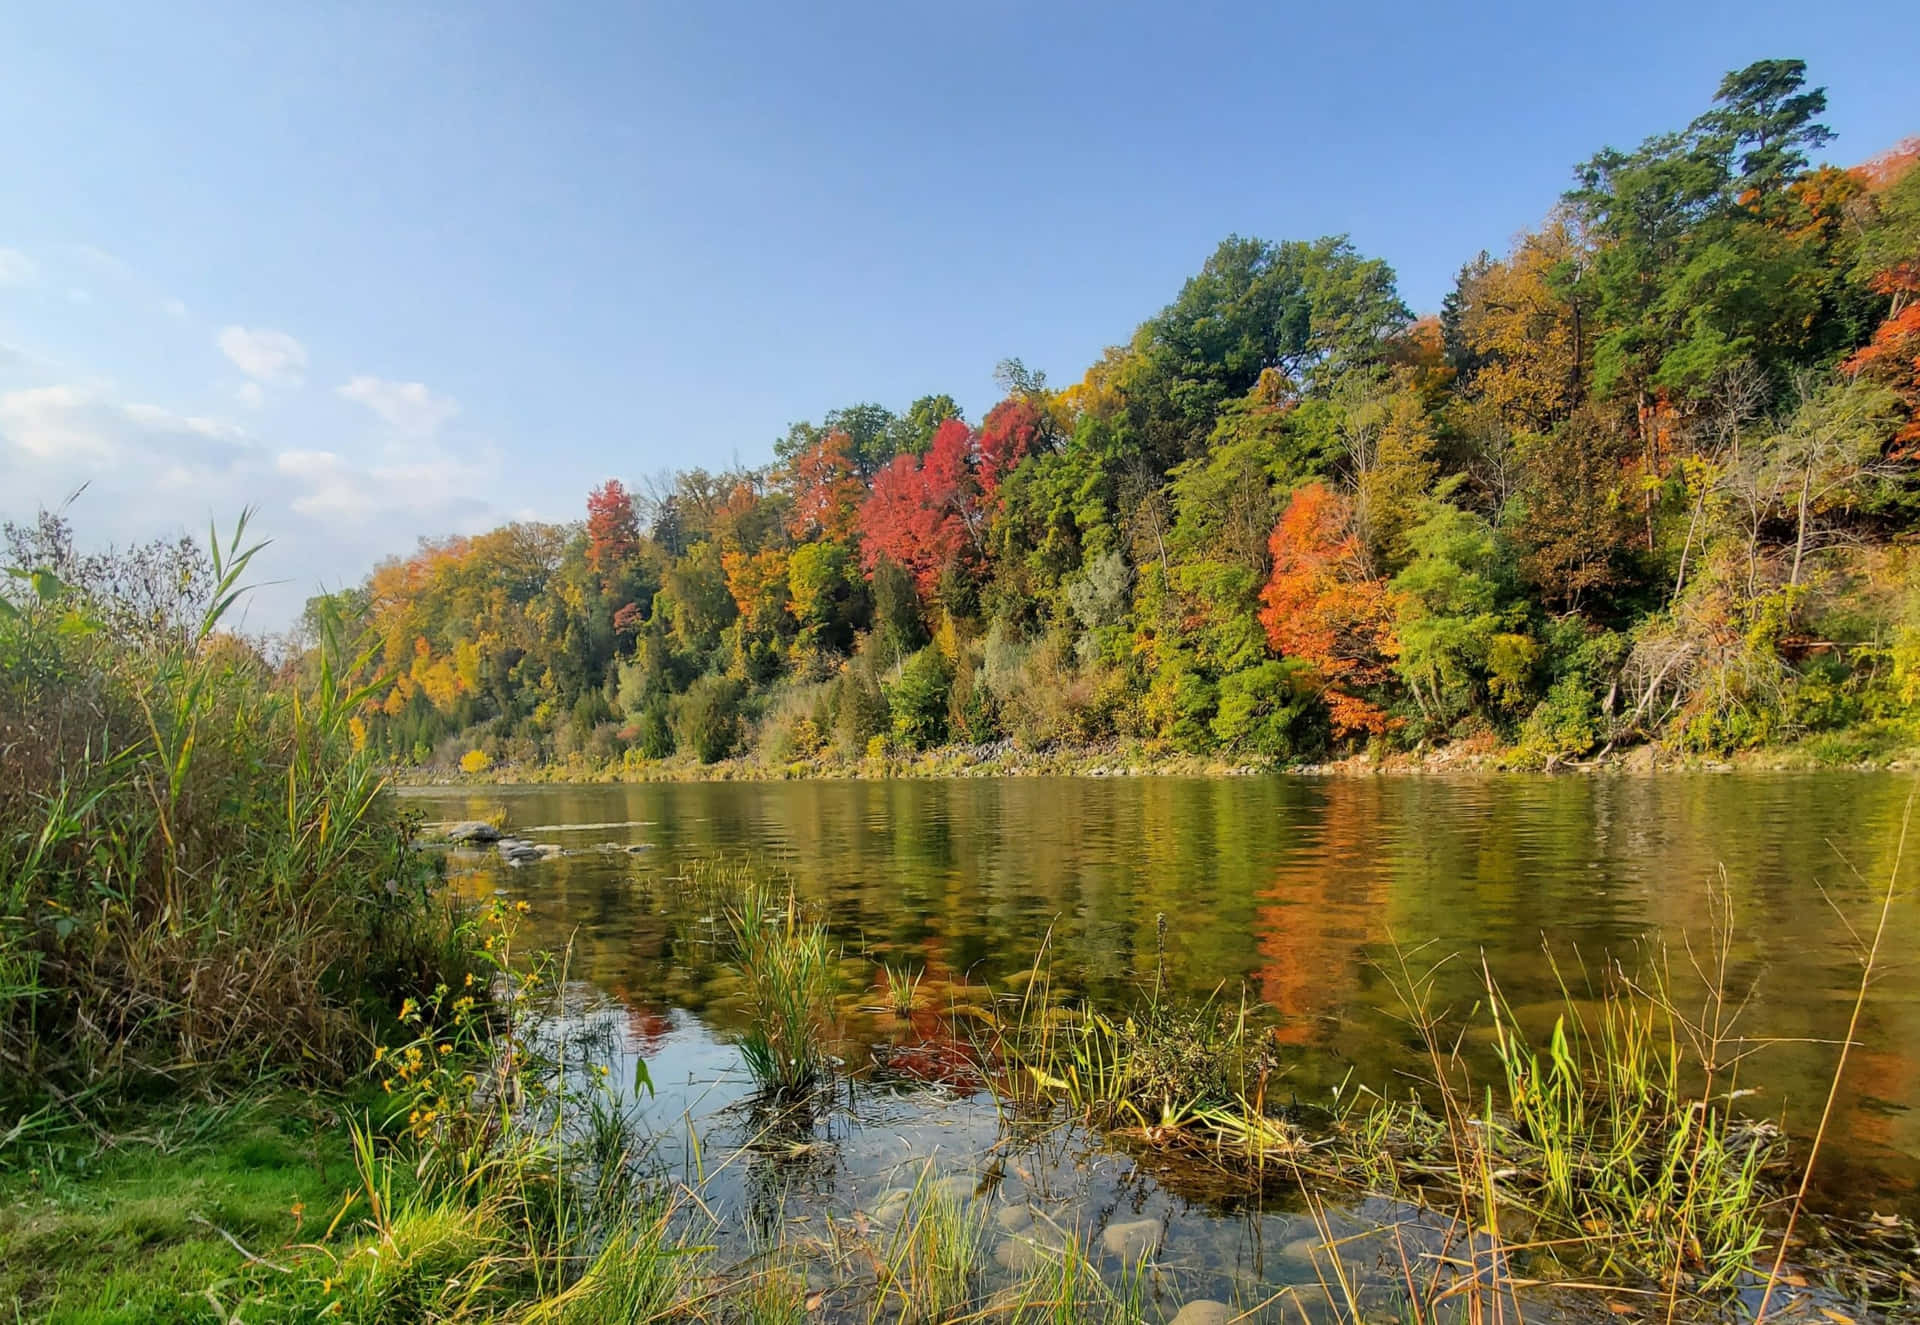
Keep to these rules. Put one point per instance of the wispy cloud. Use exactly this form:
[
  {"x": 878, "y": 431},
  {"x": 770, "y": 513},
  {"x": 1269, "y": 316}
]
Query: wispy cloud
[
  {"x": 76, "y": 427},
  {"x": 16, "y": 268},
  {"x": 272, "y": 358},
  {"x": 409, "y": 407}
]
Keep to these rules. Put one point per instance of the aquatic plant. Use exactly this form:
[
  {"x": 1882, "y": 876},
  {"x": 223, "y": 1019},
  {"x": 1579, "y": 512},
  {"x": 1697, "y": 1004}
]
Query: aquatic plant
[
  {"x": 786, "y": 963},
  {"x": 903, "y": 988}
]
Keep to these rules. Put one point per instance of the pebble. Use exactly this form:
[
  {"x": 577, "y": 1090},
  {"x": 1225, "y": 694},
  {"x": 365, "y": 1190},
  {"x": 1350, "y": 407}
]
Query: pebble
[
  {"x": 1132, "y": 1240},
  {"x": 1203, "y": 1311},
  {"x": 1012, "y": 1218}
]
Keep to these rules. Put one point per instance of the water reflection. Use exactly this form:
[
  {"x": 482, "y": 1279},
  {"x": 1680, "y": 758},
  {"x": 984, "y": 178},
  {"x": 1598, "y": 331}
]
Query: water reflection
[{"x": 1297, "y": 888}]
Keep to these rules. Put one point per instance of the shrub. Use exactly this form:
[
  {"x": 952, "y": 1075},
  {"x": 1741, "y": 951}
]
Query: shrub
[
  {"x": 706, "y": 719},
  {"x": 199, "y": 873},
  {"x": 475, "y": 761},
  {"x": 1259, "y": 711},
  {"x": 918, "y": 700}
]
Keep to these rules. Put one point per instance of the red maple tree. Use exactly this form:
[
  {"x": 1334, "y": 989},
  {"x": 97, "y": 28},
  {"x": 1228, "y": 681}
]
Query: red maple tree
[{"x": 925, "y": 514}]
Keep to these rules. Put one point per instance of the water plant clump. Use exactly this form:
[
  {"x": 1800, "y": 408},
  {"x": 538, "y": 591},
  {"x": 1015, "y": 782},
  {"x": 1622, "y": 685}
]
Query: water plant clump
[{"x": 787, "y": 965}]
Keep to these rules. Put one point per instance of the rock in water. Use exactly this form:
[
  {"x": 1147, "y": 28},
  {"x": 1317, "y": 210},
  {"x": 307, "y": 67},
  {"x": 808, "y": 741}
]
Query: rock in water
[
  {"x": 515, "y": 851},
  {"x": 472, "y": 830},
  {"x": 957, "y": 1187},
  {"x": 1016, "y": 1255},
  {"x": 1203, "y": 1311},
  {"x": 1012, "y": 1218},
  {"x": 1130, "y": 1241}
]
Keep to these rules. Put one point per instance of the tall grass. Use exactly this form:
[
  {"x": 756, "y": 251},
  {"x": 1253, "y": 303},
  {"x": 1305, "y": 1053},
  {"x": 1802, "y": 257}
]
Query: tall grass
[
  {"x": 199, "y": 876},
  {"x": 787, "y": 964}
]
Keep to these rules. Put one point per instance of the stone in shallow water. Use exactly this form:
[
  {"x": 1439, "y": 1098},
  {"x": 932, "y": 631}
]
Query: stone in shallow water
[
  {"x": 1016, "y": 1255},
  {"x": 1132, "y": 1240},
  {"x": 1203, "y": 1311},
  {"x": 472, "y": 830},
  {"x": 954, "y": 1187},
  {"x": 1012, "y": 1218},
  {"x": 890, "y": 1206}
]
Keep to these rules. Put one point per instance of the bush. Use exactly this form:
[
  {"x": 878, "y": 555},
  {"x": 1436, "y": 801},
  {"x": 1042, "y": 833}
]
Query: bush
[
  {"x": 860, "y": 710},
  {"x": 1259, "y": 712},
  {"x": 475, "y": 761},
  {"x": 706, "y": 719},
  {"x": 918, "y": 700},
  {"x": 200, "y": 875}
]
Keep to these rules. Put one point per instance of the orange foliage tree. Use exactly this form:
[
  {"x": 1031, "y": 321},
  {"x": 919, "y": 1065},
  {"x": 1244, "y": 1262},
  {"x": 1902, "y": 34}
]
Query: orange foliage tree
[
  {"x": 1324, "y": 606},
  {"x": 1890, "y": 264},
  {"x": 827, "y": 490}
]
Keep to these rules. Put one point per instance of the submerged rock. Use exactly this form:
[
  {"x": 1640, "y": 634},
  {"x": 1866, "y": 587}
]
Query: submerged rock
[
  {"x": 1203, "y": 1311},
  {"x": 1012, "y": 1218},
  {"x": 890, "y": 1206},
  {"x": 954, "y": 1187},
  {"x": 1016, "y": 1255},
  {"x": 636, "y": 848},
  {"x": 1131, "y": 1240},
  {"x": 471, "y": 830}
]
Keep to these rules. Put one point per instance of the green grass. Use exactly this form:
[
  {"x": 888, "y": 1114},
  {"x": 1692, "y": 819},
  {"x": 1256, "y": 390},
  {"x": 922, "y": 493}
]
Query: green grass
[{"x": 127, "y": 1230}]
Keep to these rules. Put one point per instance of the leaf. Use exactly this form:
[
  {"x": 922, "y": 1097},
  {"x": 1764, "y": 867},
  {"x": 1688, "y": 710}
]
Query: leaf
[
  {"x": 642, "y": 1079},
  {"x": 47, "y": 586}
]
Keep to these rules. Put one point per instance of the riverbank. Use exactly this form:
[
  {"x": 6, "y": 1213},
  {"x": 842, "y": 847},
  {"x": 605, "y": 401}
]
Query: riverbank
[{"x": 1857, "y": 751}]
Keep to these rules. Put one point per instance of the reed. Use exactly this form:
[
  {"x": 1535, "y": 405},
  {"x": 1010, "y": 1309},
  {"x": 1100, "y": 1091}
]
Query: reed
[{"x": 200, "y": 877}]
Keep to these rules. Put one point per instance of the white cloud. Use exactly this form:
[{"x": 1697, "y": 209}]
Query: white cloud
[
  {"x": 82, "y": 428},
  {"x": 270, "y": 357},
  {"x": 429, "y": 486},
  {"x": 408, "y": 406},
  {"x": 16, "y": 268},
  {"x": 250, "y": 395}
]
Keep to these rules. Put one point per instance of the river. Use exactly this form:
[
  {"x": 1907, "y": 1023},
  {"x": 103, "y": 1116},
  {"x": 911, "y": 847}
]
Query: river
[{"x": 1301, "y": 892}]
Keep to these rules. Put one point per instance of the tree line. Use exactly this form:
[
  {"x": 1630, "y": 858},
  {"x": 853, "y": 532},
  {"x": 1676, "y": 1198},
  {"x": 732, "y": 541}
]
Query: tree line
[{"x": 1646, "y": 476}]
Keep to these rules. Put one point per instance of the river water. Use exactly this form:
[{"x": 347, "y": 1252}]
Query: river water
[{"x": 1299, "y": 891}]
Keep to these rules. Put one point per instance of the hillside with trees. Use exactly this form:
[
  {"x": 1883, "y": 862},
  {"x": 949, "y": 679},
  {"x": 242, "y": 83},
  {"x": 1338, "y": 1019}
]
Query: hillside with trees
[{"x": 1646, "y": 477}]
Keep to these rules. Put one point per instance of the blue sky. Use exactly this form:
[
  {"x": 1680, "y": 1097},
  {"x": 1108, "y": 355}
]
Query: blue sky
[{"x": 392, "y": 270}]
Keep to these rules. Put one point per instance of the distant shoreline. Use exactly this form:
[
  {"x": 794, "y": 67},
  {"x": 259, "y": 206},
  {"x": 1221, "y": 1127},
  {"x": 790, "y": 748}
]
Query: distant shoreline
[{"x": 949, "y": 762}]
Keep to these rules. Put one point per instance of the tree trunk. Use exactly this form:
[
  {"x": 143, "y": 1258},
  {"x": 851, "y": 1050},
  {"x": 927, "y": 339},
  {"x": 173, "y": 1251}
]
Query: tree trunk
[{"x": 1800, "y": 536}]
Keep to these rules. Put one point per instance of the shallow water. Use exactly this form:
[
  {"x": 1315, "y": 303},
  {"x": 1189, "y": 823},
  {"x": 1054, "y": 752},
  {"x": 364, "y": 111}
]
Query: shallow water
[{"x": 1297, "y": 890}]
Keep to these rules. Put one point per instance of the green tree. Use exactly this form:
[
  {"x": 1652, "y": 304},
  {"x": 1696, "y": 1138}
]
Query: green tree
[{"x": 706, "y": 719}]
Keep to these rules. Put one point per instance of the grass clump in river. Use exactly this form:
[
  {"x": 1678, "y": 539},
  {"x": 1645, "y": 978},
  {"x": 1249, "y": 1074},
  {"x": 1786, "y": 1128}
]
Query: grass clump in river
[
  {"x": 1612, "y": 1146},
  {"x": 788, "y": 965}
]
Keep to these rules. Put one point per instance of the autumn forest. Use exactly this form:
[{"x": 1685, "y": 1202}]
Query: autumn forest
[{"x": 1646, "y": 477}]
